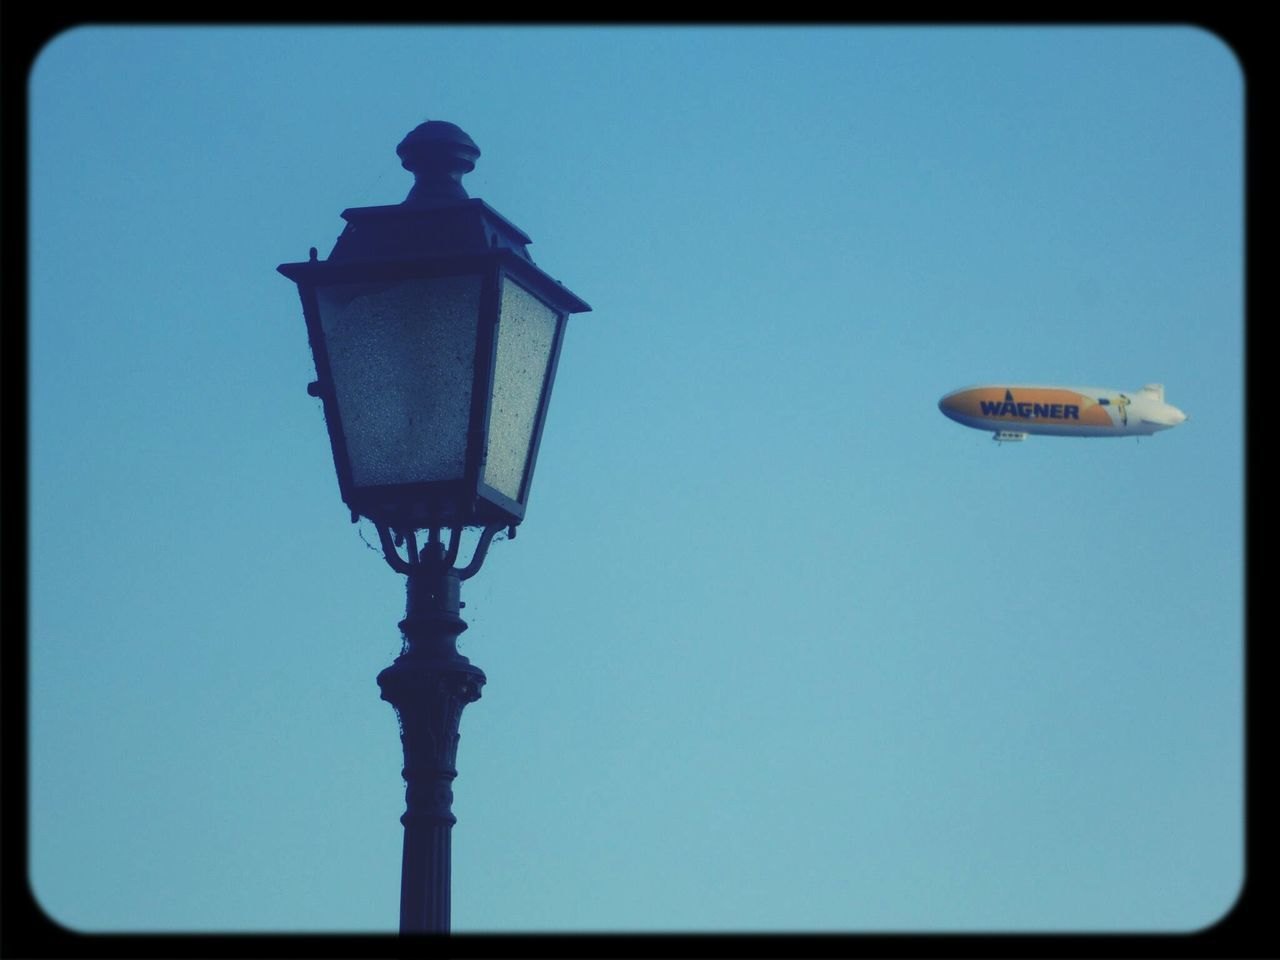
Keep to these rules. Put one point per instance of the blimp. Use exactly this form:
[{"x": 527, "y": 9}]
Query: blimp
[{"x": 1015, "y": 411}]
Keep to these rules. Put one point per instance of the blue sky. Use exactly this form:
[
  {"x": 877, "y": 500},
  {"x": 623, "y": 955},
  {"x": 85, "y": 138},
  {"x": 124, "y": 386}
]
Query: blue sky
[{"x": 779, "y": 647}]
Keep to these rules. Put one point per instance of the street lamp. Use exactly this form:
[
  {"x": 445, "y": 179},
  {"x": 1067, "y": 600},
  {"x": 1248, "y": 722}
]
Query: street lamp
[{"x": 435, "y": 339}]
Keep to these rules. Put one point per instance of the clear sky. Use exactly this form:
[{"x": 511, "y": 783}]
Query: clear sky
[{"x": 778, "y": 647}]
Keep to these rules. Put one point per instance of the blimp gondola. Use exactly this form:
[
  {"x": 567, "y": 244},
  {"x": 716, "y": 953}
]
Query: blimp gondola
[{"x": 1012, "y": 412}]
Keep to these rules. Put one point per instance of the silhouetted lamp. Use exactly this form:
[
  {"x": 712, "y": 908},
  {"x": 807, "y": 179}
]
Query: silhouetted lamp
[{"x": 435, "y": 340}]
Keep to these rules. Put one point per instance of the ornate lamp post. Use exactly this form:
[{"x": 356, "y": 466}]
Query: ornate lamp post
[{"x": 435, "y": 340}]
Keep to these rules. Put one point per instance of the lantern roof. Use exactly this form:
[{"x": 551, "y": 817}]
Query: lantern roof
[
  {"x": 405, "y": 231},
  {"x": 436, "y": 221}
]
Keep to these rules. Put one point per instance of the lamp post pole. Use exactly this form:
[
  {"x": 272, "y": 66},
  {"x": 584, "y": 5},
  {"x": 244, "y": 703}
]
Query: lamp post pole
[{"x": 428, "y": 685}]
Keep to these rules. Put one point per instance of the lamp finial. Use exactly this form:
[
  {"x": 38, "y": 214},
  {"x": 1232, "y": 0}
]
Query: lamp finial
[{"x": 438, "y": 154}]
